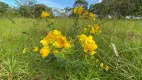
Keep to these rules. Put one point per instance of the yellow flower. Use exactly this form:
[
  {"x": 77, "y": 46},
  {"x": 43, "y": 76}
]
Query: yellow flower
[
  {"x": 45, "y": 14},
  {"x": 88, "y": 44},
  {"x": 94, "y": 19},
  {"x": 92, "y": 30},
  {"x": 78, "y": 10},
  {"x": 91, "y": 16},
  {"x": 102, "y": 65},
  {"x": 67, "y": 45},
  {"x": 107, "y": 68},
  {"x": 89, "y": 40},
  {"x": 97, "y": 28},
  {"x": 75, "y": 10},
  {"x": 24, "y": 50},
  {"x": 35, "y": 49},
  {"x": 44, "y": 42},
  {"x": 85, "y": 14},
  {"x": 82, "y": 38},
  {"x": 89, "y": 25},
  {"x": 52, "y": 36},
  {"x": 62, "y": 42},
  {"x": 92, "y": 53},
  {"x": 56, "y": 33},
  {"x": 55, "y": 51},
  {"x": 84, "y": 30},
  {"x": 90, "y": 47},
  {"x": 53, "y": 39},
  {"x": 45, "y": 51}
]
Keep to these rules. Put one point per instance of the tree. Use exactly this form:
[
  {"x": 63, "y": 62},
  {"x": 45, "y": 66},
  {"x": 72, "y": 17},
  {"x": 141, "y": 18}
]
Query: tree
[
  {"x": 3, "y": 7},
  {"x": 118, "y": 8},
  {"x": 26, "y": 2},
  {"x": 99, "y": 9},
  {"x": 68, "y": 11},
  {"x": 38, "y": 8},
  {"x": 59, "y": 12},
  {"x": 34, "y": 10}
]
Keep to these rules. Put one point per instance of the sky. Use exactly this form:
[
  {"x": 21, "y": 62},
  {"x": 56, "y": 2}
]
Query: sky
[{"x": 52, "y": 3}]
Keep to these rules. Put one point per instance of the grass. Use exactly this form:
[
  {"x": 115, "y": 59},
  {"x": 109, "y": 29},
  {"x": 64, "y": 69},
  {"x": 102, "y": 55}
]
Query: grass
[{"x": 14, "y": 65}]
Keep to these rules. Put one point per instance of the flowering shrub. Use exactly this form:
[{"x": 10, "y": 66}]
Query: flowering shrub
[
  {"x": 53, "y": 40},
  {"x": 82, "y": 43}
]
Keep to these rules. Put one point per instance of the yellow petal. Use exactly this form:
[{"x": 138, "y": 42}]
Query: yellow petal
[
  {"x": 102, "y": 65},
  {"x": 92, "y": 53},
  {"x": 67, "y": 45},
  {"x": 107, "y": 68},
  {"x": 45, "y": 14},
  {"x": 45, "y": 51},
  {"x": 44, "y": 42}
]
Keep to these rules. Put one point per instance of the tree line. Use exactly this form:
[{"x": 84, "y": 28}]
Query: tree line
[
  {"x": 117, "y": 8},
  {"x": 29, "y": 9},
  {"x": 113, "y": 8}
]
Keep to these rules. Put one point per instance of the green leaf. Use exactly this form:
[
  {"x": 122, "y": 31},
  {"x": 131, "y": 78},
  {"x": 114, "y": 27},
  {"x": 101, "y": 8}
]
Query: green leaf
[{"x": 60, "y": 55}]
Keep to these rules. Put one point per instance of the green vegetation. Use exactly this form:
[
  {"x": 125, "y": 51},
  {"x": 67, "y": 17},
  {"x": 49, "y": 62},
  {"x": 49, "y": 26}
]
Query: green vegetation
[
  {"x": 117, "y": 8},
  {"x": 125, "y": 34},
  {"x": 86, "y": 48}
]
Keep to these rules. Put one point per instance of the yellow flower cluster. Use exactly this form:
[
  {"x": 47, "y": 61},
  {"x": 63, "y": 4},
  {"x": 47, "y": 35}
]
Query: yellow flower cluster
[
  {"x": 86, "y": 14},
  {"x": 88, "y": 44},
  {"x": 89, "y": 15},
  {"x": 53, "y": 39},
  {"x": 92, "y": 29},
  {"x": 102, "y": 66},
  {"x": 45, "y": 14},
  {"x": 78, "y": 10},
  {"x": 95, "y": 29}
]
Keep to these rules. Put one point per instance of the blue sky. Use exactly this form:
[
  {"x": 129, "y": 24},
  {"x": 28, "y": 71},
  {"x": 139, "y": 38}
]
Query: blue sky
[{"x": 52, "y": 3}]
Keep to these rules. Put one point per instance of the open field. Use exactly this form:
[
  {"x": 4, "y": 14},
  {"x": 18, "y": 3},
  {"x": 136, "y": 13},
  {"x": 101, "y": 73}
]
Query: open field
[{"x": 26, "y": 32}]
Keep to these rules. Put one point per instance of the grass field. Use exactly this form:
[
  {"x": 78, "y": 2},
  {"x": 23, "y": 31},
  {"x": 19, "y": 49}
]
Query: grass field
[{"x": 14, "y": 65}]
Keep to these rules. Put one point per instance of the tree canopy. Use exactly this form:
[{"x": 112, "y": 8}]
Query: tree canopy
[
  {"x": 3, "y": 7},
  {"x": 118, "y": 8}
]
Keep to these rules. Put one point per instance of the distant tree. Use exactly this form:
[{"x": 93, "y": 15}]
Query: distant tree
[
  {"x": 26, "y": 2},
  {"x": 99, "y": 9},
  {"x": 24, "y": 11},
  {"x": 117, "y": 8},
  {"x": 38, "y": 8},
  {"x": 3, "y": 7},
  {"x": 68, "y": 11},
  {"x": 12, "y": 12},
  {"x": 59, "y": 12},
  {"x": 25, "y": 7},
  {"x": 34, "y": 10}
]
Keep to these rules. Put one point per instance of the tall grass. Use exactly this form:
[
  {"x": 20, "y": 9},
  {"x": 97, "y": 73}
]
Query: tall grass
[{"x": 124, "y": 34}]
